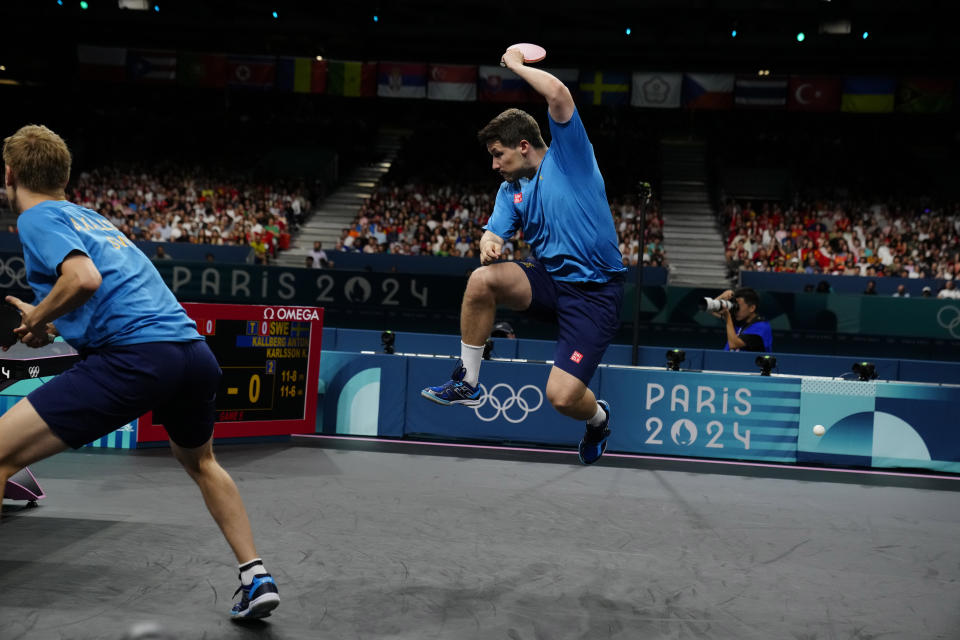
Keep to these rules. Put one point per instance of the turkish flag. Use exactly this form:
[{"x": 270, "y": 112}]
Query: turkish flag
[{"x": 813, "y": 93}]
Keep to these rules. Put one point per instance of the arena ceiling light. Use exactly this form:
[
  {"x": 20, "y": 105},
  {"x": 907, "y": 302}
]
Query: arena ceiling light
[
  {"x": 134, "y": 5},
  {"x": 835, "y": 27}
]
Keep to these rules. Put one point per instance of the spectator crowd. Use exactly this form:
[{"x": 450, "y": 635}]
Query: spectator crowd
[
  {"x": 193, "y": 206},
  {"x": 844, "y": 238},
  {"x": 417, "y": 219}
]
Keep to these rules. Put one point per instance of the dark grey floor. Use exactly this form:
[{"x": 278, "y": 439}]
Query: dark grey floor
[{"x": 382, "y": 544}]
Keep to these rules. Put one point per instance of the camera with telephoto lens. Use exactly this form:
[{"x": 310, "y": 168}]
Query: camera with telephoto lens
[{"x": 712, "y": 304}]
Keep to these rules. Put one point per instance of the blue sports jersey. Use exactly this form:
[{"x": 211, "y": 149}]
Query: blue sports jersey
[
  {"x": 133, "y": 305},
  {"x": 563, "y": 210}
]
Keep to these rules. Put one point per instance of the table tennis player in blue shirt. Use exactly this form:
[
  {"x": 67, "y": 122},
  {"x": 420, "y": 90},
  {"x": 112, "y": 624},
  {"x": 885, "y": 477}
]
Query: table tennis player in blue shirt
[
  {"x": 139, "y": 350},
  {"x": 575, "y": 276}
]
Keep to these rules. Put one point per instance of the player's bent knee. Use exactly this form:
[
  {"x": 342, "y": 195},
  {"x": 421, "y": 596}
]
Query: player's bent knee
[
  {"x": 563, "y": 399},
  {"x": 481, "y": 283}
]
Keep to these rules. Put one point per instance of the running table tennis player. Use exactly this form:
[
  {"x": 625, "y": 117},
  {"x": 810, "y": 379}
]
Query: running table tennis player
[
  {"x": 556, "y": 196},
  {"x": 139, "y": 351}
]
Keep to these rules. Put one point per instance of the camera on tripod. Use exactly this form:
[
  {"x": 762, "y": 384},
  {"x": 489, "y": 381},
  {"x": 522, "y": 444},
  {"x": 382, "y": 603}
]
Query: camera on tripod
[{"x": 712, "y": 304}]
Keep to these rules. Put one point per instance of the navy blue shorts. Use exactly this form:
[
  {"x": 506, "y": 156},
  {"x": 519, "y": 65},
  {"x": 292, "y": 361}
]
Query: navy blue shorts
[
  {"x": 588, "y": 315},
  {"x": 109, "y": 387}
]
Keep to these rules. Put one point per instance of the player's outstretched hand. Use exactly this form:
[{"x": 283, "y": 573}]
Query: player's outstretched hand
[{"x": 29, "y": 334}]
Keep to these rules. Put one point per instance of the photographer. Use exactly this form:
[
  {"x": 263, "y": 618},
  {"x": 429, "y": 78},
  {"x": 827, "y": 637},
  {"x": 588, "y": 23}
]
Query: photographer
[{"x": 746, "y": 331}]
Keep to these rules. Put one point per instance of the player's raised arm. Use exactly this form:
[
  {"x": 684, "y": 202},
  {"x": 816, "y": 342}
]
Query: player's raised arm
[{"x": 559, "y": 100}]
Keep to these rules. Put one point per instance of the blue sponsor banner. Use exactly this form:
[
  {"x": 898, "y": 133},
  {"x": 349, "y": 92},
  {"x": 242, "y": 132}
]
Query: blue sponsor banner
[
  {"x": 747, "y": 417},
  {"x": 880, "y": 424}
]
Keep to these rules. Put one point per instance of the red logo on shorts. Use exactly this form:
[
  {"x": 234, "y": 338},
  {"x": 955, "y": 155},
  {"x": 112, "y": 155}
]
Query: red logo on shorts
[
  {"x": 517, "y": 198},
  {"x": 576, "y": 356}
]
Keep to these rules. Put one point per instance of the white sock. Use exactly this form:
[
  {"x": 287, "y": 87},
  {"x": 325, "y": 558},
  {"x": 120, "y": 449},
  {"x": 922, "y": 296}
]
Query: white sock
[
  {"x": 598, "y": 417},
  {"x": 472, "y": 357},
  {"x": 250, "y": 569}
]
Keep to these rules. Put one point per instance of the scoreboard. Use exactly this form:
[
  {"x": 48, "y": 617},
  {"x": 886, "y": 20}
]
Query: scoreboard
[{"x": 270, "y": 358}]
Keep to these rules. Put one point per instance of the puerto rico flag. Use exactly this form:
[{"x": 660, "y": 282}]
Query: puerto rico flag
[
  {"x": 152, "y": 66},
  {"x": 401, "y": 80}
]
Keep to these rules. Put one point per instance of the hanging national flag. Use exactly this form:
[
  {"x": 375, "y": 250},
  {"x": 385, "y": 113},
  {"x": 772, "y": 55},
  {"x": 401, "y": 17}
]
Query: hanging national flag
[
  {"x": 452, "y": 82},
  {"x": 318, "y": 72},
  {"x": 605, "y": 87},
  {"x": 499, "y": 84},
  {"x": 251, "y": 72},
  {"x": 868, "y": 94},
  {"x": 294, "y": 74},
  {"x": 656, "y": 90},
  {"x": 707, "y": 90},
  {"x": 101, "y": 64},
  {"x": 765, "y": 92},
  {"x": 402, "y": 79},
  {"x": 813, "y": 93},
  {"x": 201, "y": 69},
  {"x": 925, "y": 95},
  {"x": 351, "y": 79},
  {"x": 156, "y": 67}
]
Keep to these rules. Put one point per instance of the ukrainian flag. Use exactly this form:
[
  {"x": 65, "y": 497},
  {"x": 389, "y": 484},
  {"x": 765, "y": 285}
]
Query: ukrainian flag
[{"x": 868, "y": 94}]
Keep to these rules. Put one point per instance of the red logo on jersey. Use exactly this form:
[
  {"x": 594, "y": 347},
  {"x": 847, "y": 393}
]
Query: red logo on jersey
[
  {"x": 517, "y": 198},
  {"x": 576, "y": 356}
]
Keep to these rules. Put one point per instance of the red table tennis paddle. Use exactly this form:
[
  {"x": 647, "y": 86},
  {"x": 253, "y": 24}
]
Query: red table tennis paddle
[
  {"x": 9, "y": 320},
  {"x": 531, "y": 52}
]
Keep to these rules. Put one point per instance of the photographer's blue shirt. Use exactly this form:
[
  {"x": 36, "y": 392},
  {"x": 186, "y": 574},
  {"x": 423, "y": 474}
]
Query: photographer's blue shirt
[
  {"x": 563, "y": 210},
  {"x": 760, "y": 328},
  {"x": 132, "y": 305}
]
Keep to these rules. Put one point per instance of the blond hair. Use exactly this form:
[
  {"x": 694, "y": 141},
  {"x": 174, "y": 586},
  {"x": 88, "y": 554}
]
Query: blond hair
[{"x": 39, "y": 159}]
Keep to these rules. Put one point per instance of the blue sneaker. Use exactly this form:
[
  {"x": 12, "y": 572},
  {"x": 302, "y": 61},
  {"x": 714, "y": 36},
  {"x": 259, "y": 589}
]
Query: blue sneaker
[
  {"x": 455, "y": 390},
  {"x": 594, "y": 441},
  {"x": 258, "y": 600}
]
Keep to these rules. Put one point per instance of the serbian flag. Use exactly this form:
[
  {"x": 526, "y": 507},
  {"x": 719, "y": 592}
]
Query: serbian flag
[
  {"x": 452, "y": 82},
  {"x": 251, "y": 72},
  {"x": 813, "y": 93},
  {"x": 868, "y": 94},
  {"x": 499, "y": 84},
  {"x": 155, "y": 67},
  {"x": 708, "y": 90},
  {"x": 401, "y": 79},
  {"x": 101, "y": 64}
]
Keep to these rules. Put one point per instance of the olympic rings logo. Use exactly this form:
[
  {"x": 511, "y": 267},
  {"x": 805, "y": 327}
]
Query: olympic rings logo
[
  {"x": 13, "y": 273},
  {"x": 951, "y": 326},
  {"x": 514, "y": 406}
]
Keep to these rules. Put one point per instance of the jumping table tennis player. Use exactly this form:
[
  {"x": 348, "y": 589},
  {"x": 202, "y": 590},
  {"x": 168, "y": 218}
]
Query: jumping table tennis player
[
  {"x": 575, "y": 277},
  {"x": 139, "y": 351}
]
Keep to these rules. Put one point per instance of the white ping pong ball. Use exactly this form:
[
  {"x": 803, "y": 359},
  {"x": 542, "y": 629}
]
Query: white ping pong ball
[{"x": 818, "y": 430}]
